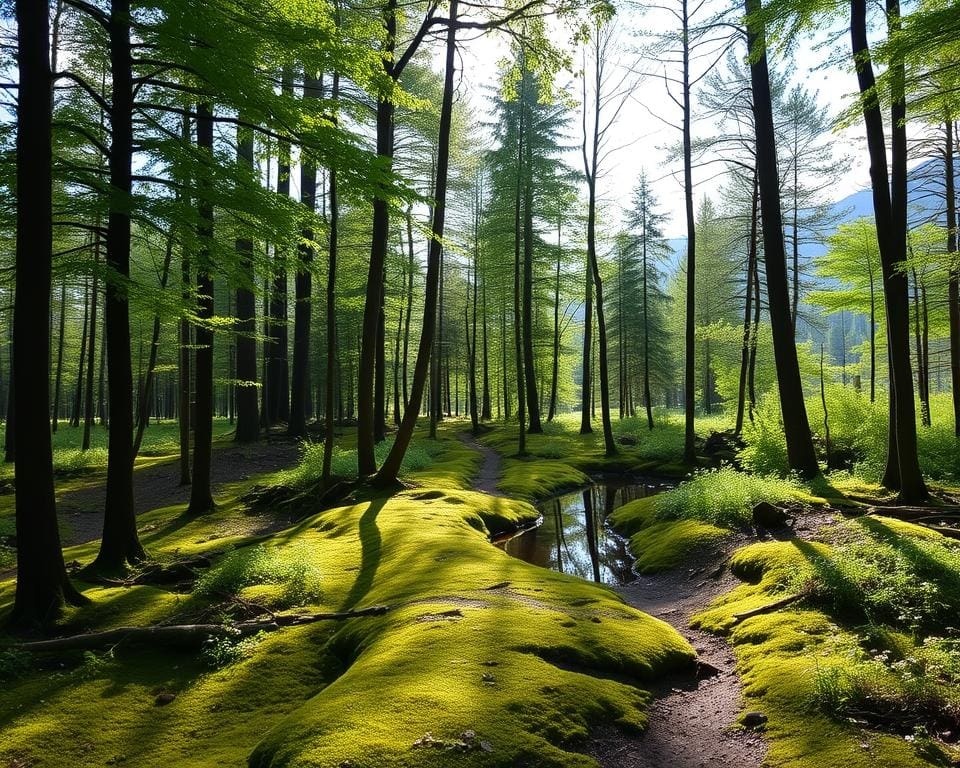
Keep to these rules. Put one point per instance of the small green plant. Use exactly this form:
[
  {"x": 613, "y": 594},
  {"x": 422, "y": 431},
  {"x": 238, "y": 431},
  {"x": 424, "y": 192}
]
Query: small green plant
[
  {"x": 14, "y": 663},
  {"x": 219, "y": 652}
]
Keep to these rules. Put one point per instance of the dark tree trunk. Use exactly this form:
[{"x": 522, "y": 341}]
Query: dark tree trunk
[
  {"x": 380, "y": 373},
  {"x": 953, "y": 288},
  {"x": 201, "y": 497},
  {"x": 78, "y": 390},
  {"x": 533, "y": 397},
  {"x": 146, "y": 393},
  {"x": 748, "y": 307},
  {"x": 379, "y": 242},
  {"x": 689, "y": 345},
  {"x": 391, "y": 467},
  {"x": 55, "y": 418},
  {"x": 555, "y": 369},
  {"x": 300, "y": 389},
  {"x": 120, "y": 544},
  {"x": 585, "y": 387},
  {"x": 183, "y": 407},
  {"x": 472, "y": 348},
  {"x": 411, "y": 266},
  {"x": 42, "y": 583},
  {"x": 88, "y": 402},
  {"x": 333, "y": 235},
  {"x": 248, "y": 416},
  {"x": 890, "y": 217},
  {"x": 754, "y": 333},
  {"x": 518, "y": 281},
  {"x": 801, "y": 455}
]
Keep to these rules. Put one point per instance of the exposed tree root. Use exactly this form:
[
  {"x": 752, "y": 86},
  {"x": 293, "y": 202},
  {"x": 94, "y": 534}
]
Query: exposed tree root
[
  {"x": 184, "y": 635},
  {"x": 769, "y": 608}
]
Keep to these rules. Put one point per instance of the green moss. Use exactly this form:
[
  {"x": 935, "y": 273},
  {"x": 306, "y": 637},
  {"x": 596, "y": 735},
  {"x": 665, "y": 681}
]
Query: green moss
[
  {"x": 816, "y": 670},
  {"x": 526, "y": 658},
  {"x": 667, "y": 545}
]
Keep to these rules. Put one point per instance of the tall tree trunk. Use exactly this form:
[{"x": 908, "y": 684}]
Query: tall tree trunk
[
  {"x": 890, "y": 216},
  {"x": 78, "y": 390},
  {"x": 88, "y": 403},
  {"x": 485, "y": 410},
  {"x": 55, "y": 418},
  {"x": 148, "y": 380},
  {"x": 379, "y": 242},
  {"x": 801, "y": 455},
  {"x": 518, "y": 280},
  {"x": 201, "y": 497},
  {"x": 953, "y": 288},
  {"x": 754, "y": 340},
  {"x": 586, "y": 388},
  {"x": 120, "y": 544},
  {"x": 555, "y": 369},
  {"x": 647, "y": 399},
  {"x": 300, "y": 379},
  {"x": 411, "y": 267},
  {"x": 747, "y": 307},
  {"x": 332, "y": 244},
  {"x": 248, "y": 416},
  {"x": 689, "y": 344},
  {"x": 387, "y": 475},
  {"x": 472, "y": 349},
  {"x": 42, "y": 583},
  {"x": 873, "y": 333},
  {"x": 183, "y": 408},
  {"x": 533, "y": 398}
]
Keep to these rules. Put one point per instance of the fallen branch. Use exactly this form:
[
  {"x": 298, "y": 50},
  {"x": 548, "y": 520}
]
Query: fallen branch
[
  {"x": 185, "y": 635},
  {"x": 769, "y": 608},
  {"x": 913, "y": 513}
]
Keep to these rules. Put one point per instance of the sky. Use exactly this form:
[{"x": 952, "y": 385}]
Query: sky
[{"x": 640, "y": 136}]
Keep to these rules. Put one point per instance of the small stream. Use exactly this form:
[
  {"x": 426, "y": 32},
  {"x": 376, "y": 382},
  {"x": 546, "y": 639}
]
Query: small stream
[{"x": 573, "y": 536}]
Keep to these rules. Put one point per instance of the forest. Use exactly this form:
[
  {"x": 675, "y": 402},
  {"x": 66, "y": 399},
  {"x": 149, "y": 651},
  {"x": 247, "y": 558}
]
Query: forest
[{"x": 483, "y": 383}]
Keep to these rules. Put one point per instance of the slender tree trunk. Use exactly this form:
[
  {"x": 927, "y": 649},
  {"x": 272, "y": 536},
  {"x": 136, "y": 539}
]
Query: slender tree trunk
[
  {"x": 245, "y": 391},
  {"x": 518, "y": 279},
  {"x": 647, "y": 399},
  {"x": 379, "y": 242},
  {"x": 201, "y": 497},
  {"x": 411, "y": 266},
  {"x": 485, "y": 411},
  {"x": 890, "y": 216},
  {"x": 387, "y": 475},
  {"x": 55, "y": 419},
  {"x": 801, "y": 455},
  {"x": 555, "y": 370},
  {"x": 754, "y": 340},
  {"x": 873, "y": 333},
  {"x": 184, "y": 371},
  {"x": 472, "y": 349},
  {"x": 689, "y": 387},
  {"x": 747, "y": 307},
  {"x": 78, "y": 390},
  {"x": 148, "y": 380},
  {"x": 42, "y": 583},
  {"x": 953, "y": 287},
  {"x": 88, "y": 402},
  {"x": 300, "y": 389},
  {"x": 533, "y": 398},
  {"x": 120, "y": 544},
  {"x": 586, "y": 389},
  {"x": 333, "y": 244}
]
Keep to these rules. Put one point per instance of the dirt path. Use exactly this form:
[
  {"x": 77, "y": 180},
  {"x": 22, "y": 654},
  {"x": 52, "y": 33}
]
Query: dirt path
[
  {"x": 692, "y": 721},
  {"x": 489, "y": 474},
  {"x": 81, "y": 511}
]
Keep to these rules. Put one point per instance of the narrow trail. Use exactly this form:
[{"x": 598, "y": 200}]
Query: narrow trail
[
  {"x": 81, "y": 511},
  {"x": 489, "y": 473},
  {"x": 692, "y": 720}
]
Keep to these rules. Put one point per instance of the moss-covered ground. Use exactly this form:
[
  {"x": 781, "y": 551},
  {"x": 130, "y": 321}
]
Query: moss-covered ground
[{"x": 482, "y": 659}]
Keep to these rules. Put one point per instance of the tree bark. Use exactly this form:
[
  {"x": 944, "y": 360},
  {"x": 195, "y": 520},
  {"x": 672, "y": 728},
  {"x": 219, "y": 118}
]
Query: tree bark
[
  {"x": 201, "y": 497},
  {"x": 55, "y": 418},
  {"x": 529, "y": 368},
  {"x": 387, "y": 474},
  {"x": 42, "y": 583},
  {"x": 120, "y": 544},
  {"x": 333, "y": 243},
  {"x": 747, "y": 307},
  {"x": 801, "y": 455},
  {"x": 248, "y": 415},
  {"x": 953, "y": 287},
  {"x": 689, "y": 345},
  {"x": 890, "y": 217}
]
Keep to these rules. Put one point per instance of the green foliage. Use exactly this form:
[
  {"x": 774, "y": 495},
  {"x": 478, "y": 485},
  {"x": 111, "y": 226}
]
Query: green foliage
[
  {"x": 219, "y": 652},
  {"x": 14, "y": 663},
  {"x": 289, "y": 568},
  {"x": 725, "y": 497},
  {"x": 309, "y": 471}
]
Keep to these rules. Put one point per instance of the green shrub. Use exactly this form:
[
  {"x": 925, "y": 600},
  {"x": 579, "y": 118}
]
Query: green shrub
[
  {"x": 220, "y": 652},
  {"x": 344, "y": 461},
  {"x": 289, "y": 568},
  {"x": 724, "y": 497}
]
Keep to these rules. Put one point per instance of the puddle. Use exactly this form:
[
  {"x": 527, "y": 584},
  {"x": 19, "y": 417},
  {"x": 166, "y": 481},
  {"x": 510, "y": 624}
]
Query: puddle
[{"x": 573, "y": 536}]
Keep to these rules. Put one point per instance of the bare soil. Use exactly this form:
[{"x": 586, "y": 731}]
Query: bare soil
[
  {"x": 488, "y": 475},
  {"x": 81, "y": 511}
]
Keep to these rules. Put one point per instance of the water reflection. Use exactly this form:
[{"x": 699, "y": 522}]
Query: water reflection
[{"x": 574, "y": 538}]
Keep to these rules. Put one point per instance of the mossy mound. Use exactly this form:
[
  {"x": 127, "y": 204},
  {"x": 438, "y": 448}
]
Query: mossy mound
[
  {"x": 846, "y": 675},
  {"x": 500, "y": 662}
]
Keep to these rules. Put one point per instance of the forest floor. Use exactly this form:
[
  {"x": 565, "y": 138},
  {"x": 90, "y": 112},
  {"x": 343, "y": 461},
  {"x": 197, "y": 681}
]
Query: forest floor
[{"x": 158, "y": 485}]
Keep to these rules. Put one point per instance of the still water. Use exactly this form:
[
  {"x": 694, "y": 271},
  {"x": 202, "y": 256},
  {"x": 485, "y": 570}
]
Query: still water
[{"x": 573, "y": 536}]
